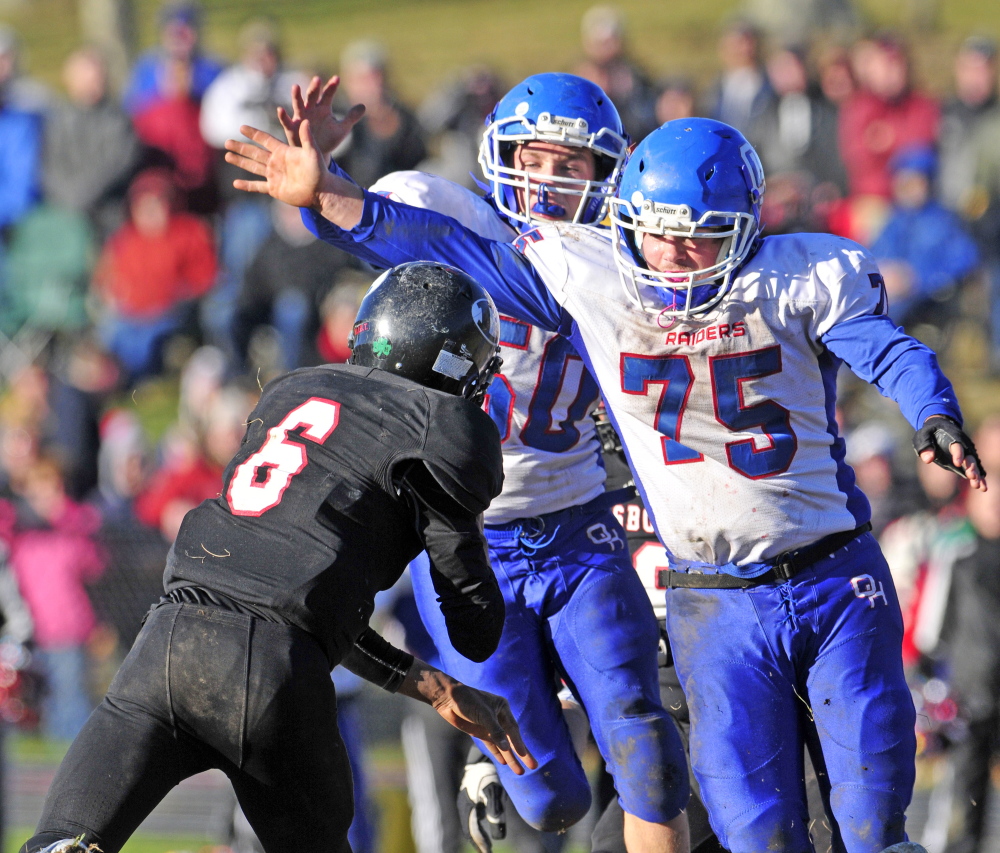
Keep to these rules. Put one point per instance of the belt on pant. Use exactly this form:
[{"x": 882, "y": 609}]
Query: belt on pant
[{"x": 786, "y": 566}]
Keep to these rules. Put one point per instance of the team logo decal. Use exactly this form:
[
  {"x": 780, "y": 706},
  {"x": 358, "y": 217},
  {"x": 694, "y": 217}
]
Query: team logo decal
[
  {"x": 381, "y": 346},
  {"x": 866, "y": 587}
]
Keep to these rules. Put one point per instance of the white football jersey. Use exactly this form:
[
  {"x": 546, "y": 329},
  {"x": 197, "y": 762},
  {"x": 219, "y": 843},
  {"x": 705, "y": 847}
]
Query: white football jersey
[
  {"x": 728, "y": 420},
  {"x": 543, "y": 397}
]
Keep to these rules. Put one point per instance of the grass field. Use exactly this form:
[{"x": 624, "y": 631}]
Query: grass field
[{"x": 429, "y": 39}]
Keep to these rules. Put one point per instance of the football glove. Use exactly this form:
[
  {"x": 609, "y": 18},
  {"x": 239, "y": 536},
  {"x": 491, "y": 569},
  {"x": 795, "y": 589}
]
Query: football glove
[
  {"x": 70, "y": 845},
  {"x": 940, "y": 433},
  {"x": 480, "y": 805}
]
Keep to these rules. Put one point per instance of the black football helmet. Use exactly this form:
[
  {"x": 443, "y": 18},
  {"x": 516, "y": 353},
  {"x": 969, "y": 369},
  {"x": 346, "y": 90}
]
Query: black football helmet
[{"x": 431, "y": 323}]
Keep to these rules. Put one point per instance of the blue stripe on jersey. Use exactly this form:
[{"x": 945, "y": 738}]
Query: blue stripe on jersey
[
  {"x": 857, "y": 503},
  {"x": 514, "y": 333}
]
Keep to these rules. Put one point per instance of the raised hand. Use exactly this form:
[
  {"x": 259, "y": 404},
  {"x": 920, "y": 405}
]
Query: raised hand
[
  {"x": 292, "y": 173},
  {"x": 316, "y": 108}
]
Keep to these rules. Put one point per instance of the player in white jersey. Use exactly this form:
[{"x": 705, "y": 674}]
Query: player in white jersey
[
  {"x": 552, "y": 151},
  {"x": 717, "y": 362}
]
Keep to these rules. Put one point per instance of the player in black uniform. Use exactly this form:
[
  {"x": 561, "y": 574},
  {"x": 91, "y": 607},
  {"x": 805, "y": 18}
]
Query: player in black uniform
[{"x": 346, "y": 472}]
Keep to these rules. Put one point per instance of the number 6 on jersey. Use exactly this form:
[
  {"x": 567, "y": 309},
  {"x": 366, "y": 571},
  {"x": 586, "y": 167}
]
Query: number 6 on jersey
[{"x": 258, "y": 483}]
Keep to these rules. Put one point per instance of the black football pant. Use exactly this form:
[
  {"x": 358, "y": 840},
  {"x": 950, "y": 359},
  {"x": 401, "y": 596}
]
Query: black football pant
[{"x": 202, "y": 688}]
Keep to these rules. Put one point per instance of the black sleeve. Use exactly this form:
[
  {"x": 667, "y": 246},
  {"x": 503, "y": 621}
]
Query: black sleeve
[
  {"x": 467, "y": 589},
  {"x": 375, "y": 659},
  {"x": 462, "y": 451}
]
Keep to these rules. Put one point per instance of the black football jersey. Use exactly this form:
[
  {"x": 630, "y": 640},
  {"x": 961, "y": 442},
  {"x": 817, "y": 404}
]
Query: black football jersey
[{"x": 310, "y": 523}]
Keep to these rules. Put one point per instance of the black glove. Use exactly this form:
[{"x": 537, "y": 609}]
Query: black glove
[{"x": 940, "y": 433}]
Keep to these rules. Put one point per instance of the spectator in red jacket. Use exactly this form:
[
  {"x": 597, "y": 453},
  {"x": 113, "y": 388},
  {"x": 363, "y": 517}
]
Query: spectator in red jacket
[
  {"x": 151, "y": 274},
  {"x": 885, "y": 114},
  {"x": 168, "y": 123}
]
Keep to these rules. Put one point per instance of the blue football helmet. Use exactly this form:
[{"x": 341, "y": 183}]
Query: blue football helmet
[
  {"x": 691, "y": 177},
  {"x": 562, "y": 109}
]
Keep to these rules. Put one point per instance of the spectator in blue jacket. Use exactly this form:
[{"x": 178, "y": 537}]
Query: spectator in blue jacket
[
  {"x": 180, "y": 24},
  {"x": 20, "y": 161},
  {"x": 924, "y": 251}
]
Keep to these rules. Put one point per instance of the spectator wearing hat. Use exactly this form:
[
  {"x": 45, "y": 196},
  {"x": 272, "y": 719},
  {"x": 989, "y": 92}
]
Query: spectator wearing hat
[
  {"x": 975, "y": 70},
  {"x": 925, "y": 250},
  {"x": 389, "y": 138},
  {"x": 180, "y": 44},
  {"x": 606, "y": 63},
  {"x": 151, "y": 273},
  {"x": 871, "y": 451}
]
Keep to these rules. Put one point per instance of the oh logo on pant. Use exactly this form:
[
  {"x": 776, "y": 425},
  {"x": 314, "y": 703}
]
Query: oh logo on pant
[
  {"x": 866, "y": 587},
  {"x": 600, "y": 535}
]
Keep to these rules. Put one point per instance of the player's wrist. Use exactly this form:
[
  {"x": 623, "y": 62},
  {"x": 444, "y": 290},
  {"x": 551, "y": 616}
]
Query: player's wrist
[
  {"x": 338, "y": 201},
  {"x": 427, "y": 684}
]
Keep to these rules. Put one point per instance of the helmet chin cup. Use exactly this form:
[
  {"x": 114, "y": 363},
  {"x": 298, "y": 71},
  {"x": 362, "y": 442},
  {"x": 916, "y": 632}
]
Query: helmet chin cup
[
  {"x": 477, "y": 386},
  {"x": 545, "y": 207}
]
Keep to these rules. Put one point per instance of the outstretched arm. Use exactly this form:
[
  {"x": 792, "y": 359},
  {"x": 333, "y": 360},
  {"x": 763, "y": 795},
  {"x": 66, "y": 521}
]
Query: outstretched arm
[{"x": 386, "y": 233}]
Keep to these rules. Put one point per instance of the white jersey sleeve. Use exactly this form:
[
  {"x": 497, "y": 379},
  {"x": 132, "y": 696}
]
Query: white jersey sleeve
[{"x": 543, "y": 398}]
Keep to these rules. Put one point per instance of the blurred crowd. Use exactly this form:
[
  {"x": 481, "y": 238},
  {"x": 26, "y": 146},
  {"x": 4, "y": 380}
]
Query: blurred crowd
[{"x": 144, "y": 302}]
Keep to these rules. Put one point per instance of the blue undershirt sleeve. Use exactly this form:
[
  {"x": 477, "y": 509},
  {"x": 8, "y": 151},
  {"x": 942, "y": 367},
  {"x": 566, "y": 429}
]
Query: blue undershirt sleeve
[
  {"x": 392, "y": 233},
  {"x": 902, "y": 368}
]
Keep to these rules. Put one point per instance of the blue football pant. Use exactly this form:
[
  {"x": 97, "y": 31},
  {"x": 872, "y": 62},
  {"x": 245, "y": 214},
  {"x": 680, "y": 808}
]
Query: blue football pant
[
  {"x": 813, "y": 661},
  {"x": 576, "y": 610}
]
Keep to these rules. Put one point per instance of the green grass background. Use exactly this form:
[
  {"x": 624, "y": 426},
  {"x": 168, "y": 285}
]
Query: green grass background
[{"x": 429, "y": 39}]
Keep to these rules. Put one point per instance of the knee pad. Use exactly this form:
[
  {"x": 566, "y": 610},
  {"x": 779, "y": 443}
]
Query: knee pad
[
  {"x": 551, "y": 798},
  {"x": 646, "y": 758}
]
